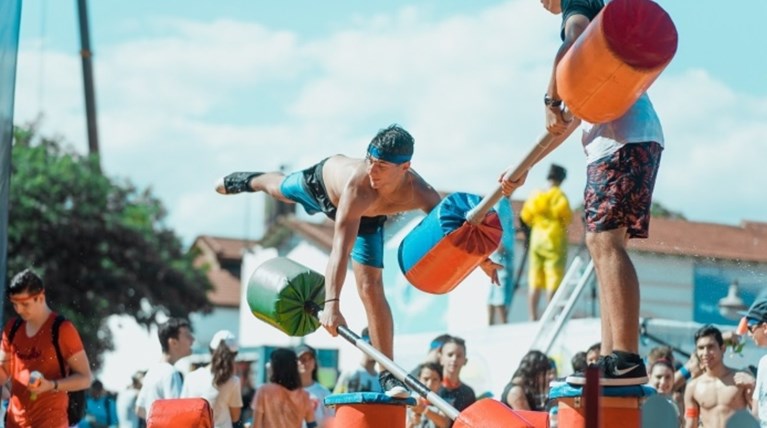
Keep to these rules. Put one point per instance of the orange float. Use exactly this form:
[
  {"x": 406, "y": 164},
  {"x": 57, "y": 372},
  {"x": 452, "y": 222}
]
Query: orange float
[
  {"x": 490, "y": 414},
  {"x": 619, "y": 406},
  {"x": 368, "y": 410},
  {"x": 619, "y": 55},
  {"x": 180, "y": 412}
]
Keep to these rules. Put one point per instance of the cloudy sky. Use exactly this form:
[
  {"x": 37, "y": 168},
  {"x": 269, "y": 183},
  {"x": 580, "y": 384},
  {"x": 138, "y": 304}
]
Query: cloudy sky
[{"x": 188, "y": 91}]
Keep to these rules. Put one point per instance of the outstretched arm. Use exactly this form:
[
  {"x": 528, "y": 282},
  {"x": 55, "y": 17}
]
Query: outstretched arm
[
  {"x": 555, "y": 122},
  {"x": 351, "y": 205}
]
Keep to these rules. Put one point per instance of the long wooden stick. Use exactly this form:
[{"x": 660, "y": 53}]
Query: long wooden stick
[
  {"x": 399, "y": 372},
  {"x": 545, "y": 144}
]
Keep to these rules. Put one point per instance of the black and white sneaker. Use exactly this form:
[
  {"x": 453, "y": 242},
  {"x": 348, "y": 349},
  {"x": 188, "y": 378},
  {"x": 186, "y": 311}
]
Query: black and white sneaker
[
  {"x": 392, "y": 386},
  {"x": 236, "y": 182},
  {"x": 616, "y": 369}
]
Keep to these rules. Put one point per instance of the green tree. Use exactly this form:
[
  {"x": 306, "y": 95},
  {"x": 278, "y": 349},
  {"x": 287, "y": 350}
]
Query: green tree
[
  {"x": 100, "y": 246},
  {"x": 659, "y": 210}
]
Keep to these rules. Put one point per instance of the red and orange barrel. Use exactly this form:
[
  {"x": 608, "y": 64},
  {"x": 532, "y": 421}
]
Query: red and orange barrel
[
  {"x": 619, "y": 55},
  {"x": 444, "y": 248},
  {"x": 488, "y": 413},
  {"x": 368, "y": 410},
  {"x": 619, "y": 406}
]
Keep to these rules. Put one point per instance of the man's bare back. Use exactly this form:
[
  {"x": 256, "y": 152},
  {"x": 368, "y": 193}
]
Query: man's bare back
[
  {"x": 344, "y": 174},
  {"x": 717, "y": 397}
]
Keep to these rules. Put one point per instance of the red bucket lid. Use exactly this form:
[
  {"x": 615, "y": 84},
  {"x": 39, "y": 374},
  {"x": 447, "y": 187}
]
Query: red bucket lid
[{"x": 640, "y": 32}]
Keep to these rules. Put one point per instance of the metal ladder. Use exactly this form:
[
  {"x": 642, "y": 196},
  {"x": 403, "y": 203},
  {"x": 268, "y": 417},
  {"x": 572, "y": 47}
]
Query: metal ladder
[{"x": 560, "y": 308}]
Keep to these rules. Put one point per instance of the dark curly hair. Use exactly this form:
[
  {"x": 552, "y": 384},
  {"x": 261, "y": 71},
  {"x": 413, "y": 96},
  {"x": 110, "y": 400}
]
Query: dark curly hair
[
  {"x": 528, "y": 376},
  {"x": 222, "y": 364},
  {"x": 393, "y": 140}
]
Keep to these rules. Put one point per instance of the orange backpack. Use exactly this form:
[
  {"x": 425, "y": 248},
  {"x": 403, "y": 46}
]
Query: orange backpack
[{"x": 180, "y": 413}]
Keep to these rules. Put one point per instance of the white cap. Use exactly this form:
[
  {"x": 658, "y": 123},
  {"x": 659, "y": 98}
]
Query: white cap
[{"x": 225, "y": 336}]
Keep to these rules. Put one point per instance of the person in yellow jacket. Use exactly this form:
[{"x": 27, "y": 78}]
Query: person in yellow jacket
[{"x": 547, "y": 214}]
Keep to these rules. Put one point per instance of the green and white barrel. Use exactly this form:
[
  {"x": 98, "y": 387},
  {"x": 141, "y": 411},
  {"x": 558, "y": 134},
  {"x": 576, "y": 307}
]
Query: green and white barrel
[{"x": 286, "y": 295}]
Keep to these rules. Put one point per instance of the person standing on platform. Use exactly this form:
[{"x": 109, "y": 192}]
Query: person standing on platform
[{"x": 623, "y": 158}]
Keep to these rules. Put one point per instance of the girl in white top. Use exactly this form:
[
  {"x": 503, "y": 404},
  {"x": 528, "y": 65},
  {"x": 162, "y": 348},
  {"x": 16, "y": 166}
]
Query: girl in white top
[{"x": 216, "y": 382}]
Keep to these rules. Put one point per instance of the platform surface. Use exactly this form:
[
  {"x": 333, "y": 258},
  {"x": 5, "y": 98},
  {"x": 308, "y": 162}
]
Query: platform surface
[
  {"x": 565, "y": 390},
  {"x": 367, "y": 398}
]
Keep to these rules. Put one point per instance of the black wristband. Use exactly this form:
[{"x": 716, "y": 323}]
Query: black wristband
[
  {"x": 551, "y": 102},
  {"x": 333, "y": 300}
]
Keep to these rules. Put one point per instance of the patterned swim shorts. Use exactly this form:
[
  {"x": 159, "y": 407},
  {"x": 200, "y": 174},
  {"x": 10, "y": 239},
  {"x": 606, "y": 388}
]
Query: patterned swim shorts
[{"x": 619, "y": 189}]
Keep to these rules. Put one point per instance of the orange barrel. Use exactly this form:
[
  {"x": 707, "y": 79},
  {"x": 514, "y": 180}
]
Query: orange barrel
[
  {"x": 444, "y": 248},
  {"x": 368, "y": 410},
  {"x": 619, "y": 406},
  {"x": 180, "y": 412},
  {"x": 622, "y": 51},
  {"x": 488, "y": 413}
]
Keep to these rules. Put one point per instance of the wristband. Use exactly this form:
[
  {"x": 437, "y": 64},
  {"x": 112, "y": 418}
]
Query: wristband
[
  {"x": 692, "y": 413},
  {"x": 551, "y": 102},
  {"x": 685, "y": 372},
  {"x": 311, "y": 425},
  {"x": 333, "y": 300},
  {"x": 55, "y": 385}
]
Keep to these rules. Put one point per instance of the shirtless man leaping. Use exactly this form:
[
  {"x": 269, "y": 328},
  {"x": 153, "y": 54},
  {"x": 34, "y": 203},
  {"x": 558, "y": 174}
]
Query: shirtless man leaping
[
  {"x": 358, "y": 194},
  {"x": 720, "y": 391}
]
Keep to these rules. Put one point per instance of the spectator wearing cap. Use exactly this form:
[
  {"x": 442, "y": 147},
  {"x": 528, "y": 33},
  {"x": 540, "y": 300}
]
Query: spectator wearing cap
[
  {"x": 217, "y": 382},
  {"x": 307, "y": 369},
  {"x": 363, "y": 378},
  {"x": 547, "y": 214},
  {"x": 756, "y": 322}
]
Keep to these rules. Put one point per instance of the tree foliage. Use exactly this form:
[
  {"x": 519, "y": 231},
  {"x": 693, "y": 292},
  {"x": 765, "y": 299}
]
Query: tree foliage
[
  {"x": 661, "y": 211},
  {"x": 100, "y": 245}
]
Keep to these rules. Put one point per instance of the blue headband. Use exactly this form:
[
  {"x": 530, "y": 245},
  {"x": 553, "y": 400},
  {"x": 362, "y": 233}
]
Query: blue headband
[{"x": 388, "y": 157}]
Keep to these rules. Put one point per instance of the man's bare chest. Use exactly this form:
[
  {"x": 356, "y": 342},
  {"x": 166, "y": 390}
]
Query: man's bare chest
[{"x": 718, "y": 393}]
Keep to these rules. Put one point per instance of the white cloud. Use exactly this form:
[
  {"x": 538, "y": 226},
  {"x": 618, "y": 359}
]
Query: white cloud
[
  {"x": 716, "y": 144},
  {"x": 202, "y": 99}
]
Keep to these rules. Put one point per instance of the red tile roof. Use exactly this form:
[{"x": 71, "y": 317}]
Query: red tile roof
[
  {"x": 225, "y": 248},
  {"x": 319, "y": 233},
  {"x": 747, "y": 242},
  {"x": 226, "y": 288},
  {"x": 215, "y": 251}
]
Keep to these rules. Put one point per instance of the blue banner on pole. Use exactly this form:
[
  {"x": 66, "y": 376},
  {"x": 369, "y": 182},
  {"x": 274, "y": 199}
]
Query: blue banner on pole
[{"x": 10, "y": 16}]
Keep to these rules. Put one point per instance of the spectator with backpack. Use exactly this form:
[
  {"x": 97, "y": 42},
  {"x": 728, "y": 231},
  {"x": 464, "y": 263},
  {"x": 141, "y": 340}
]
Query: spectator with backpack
[{"x": 43, "y": 357}]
